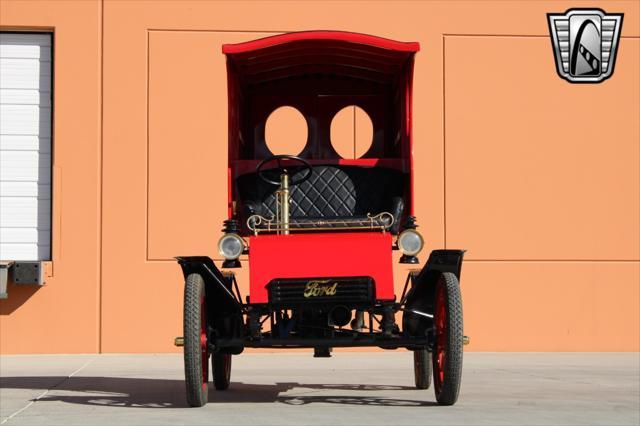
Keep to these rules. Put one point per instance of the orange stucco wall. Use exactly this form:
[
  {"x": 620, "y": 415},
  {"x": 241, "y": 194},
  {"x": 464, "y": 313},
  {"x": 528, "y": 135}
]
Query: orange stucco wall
[{"x": 539, "y": 179}]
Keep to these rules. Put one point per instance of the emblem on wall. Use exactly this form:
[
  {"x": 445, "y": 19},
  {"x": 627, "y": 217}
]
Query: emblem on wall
[{"x": 585, "y": 42}]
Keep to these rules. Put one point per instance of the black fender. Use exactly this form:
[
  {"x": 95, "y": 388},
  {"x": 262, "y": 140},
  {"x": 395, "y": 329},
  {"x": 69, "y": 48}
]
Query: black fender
[
  {"x": 417, "y": 318},
  {"x": 224, "y": 310}
]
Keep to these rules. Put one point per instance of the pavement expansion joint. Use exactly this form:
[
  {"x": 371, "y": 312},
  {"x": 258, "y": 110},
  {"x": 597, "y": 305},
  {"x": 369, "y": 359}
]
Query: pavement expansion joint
[{"x": 43, "y": 394}]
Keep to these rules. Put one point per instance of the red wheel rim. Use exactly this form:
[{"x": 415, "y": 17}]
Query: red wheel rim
[
  {"x": 203, "y": 343},
  {"x": 441, "y": 337}
]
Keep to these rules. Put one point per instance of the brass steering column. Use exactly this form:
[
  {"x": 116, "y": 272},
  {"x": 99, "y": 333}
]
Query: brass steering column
[{"x": 282, "y": 205}]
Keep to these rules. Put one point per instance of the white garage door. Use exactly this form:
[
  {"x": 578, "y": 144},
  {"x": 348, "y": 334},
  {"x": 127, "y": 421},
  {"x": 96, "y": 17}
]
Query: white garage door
[{"x": 25, "y": 146}]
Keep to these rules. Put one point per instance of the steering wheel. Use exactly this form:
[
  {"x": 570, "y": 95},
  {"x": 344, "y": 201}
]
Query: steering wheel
[{"x": 278, "y": 158}]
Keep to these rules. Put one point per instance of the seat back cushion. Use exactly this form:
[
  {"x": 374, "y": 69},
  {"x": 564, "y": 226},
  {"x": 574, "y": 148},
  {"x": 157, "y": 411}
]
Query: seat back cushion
[{"x": 330, "y": 192}]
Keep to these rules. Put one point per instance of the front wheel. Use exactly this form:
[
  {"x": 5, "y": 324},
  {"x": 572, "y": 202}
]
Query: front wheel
[
  {"x": 422, "y": 368},
  {"x": 221, "y": 364},
  {"x": 447, "y": 351},
  {"x": 196, "y": 351}
]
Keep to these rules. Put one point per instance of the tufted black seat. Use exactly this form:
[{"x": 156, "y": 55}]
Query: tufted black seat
[{"x": 332, "y": 194}]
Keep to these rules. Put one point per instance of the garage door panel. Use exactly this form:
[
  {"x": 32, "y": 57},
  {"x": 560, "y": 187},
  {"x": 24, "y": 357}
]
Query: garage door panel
[
  {"x": 537, "y": 168},
  {"x": 25, "y": 236},
  {"x": 17, "y": 51},
  {"x": 25, "y": 146},
  {"x": 23, "y": 166},
  {"x": 42, "y": 144},
  {"x": 25, "y": 212},
  {"x": 25, "y": 189},
  {"x": 27, "y": 42},
  {"x": 25, "y": 97},
  {"x": 43, "y": 83},
  {"x": 25, "y": 74},
  {"x": 25, "y": 251},
  {"x": 25, "y": 120},
  {"x": 25, "y": 68}
]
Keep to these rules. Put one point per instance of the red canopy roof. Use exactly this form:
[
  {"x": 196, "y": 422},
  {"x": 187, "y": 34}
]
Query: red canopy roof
[
  {"x": 333, "y": 52},
  {"x": 339, "y": 36}
]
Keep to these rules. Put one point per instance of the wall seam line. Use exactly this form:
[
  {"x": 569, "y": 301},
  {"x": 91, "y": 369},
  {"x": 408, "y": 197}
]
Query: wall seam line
[
  {"x": 444, "y": 145},
  {"x": 101, "y": 200},
  {"x": 215, "y": 31},
  {"x": 520, "y": 35},
  {"x": 146, "y": 216}
]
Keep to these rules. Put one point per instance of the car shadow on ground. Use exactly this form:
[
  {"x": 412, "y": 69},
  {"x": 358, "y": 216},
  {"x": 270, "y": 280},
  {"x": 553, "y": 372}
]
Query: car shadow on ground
[{"x": 162, "y": 393}]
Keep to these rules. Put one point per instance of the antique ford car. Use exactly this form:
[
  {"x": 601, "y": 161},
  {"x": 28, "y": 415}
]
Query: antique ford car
[{"x": 319, "y": 230}]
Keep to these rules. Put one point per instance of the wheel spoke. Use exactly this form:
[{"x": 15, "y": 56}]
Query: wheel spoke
[
  {"x": 204, "y": 350},
  {"x": 441, "y": 337}
]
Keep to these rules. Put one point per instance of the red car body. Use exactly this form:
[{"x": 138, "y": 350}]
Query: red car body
[
  {"x": 320, "y": 234},
  {"x": 334, "y": 255}
]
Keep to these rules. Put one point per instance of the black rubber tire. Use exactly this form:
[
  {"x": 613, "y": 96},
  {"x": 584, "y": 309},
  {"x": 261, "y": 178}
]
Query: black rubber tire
[
  {"x": 195, "y": 372},
  {"x": 422, "y": 368},
  {"x": 447, "y": 390},
  {"x": 221, "y": 364}
]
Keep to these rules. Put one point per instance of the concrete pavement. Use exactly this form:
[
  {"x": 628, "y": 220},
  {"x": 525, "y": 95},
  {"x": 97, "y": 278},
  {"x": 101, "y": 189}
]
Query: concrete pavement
[{"x": 350, "y": 388}]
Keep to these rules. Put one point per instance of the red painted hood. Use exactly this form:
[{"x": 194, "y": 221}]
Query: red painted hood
[{"x": 320, "y": 255}]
